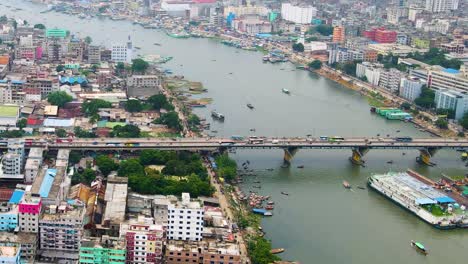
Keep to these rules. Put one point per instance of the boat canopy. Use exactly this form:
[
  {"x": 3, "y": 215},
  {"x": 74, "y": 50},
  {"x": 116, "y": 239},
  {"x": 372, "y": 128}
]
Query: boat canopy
[
  {"x": 419, "y": 245},
  {"x": 444, "y": 199},
  {"x": 423, "y": 201}
]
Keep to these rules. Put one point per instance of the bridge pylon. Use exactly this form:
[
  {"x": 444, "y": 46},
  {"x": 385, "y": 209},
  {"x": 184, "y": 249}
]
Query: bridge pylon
[
  {"x": 358, "y": 154},
  {"x": 425, "y": 155},
  {"x": 289, "y": 155}
]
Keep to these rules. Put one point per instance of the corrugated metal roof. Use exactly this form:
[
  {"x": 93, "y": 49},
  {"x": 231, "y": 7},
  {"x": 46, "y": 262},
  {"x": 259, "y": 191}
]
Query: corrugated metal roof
[
  {"x": 16, "y": 196},
  {"x": 57, "y": 122},
  {"x": 47, "y": 182}
]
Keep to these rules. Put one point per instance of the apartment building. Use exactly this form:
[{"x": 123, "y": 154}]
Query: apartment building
[
  {"x": 185, "y": 219},
  {"x": 30, "y": 209},
  {"x": 102, "y": 250}
]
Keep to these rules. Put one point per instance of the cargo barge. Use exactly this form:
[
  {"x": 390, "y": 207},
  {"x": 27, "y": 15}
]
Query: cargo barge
[{"x": 429, "y": 204}]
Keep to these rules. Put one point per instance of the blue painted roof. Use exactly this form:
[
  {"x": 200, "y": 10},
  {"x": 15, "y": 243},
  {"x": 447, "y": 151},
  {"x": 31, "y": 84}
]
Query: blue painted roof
[
  {"x": 57, "y": 122},
  {"x": 72, "y": 80},
  {"x": 452, "y": 71},
  {"x": 423, "y": 201},
  {"x": 17, "y": 82},
  {"x": 47, "y": 182},
  {"x": 3, "y": 81},
  {"x": 16, "y": 197},
  {"x": 444, "y": 199}
]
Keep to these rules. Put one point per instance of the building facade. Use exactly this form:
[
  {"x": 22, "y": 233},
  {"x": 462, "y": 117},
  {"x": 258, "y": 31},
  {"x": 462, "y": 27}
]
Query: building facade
[
  {"x": 185, "y": 220},
  {"x": 457, "y": 101},
  {"x": 410, "y": 88},
  {"x": 298, "y": 14}
]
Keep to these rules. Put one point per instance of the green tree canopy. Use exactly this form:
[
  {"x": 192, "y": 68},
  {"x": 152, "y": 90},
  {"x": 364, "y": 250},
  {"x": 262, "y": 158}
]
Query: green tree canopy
[
  {"x": 40, "y": 26},
  {"x": 88, "y": 40},
  {"x": 91, "y": 107},
  {"x": 22, "y": 123},
  {"x": 79, "y": 132},
  {"x": 260, "y": 251},
  {"x": 129, "y": 167},
  {"x": 60, "y": 68},
  {"x": 86, "y": 177},
  {"x": 139, "y": 65},
  {"x": 426, "y": 98},
  {"x": 441, "y": 123},
  {"x": 60, "y": 132},
  {"x": 59, "y": 98},
  {"x": 127, "y": 131},
  {"x": 133, "y": 105},
  {"x": 298, "y": 47},
  {"x": 171, "y": 120},
  {"x": 464, "y": 121},
  {"x": 106, "y": 165},
  {"x": 75, "y": 157},
  {"x": 405, "y": 106},
  {"x": 159, "y": 101},
  {"x": 315, "y": 64},
  {"x": 324, "y": 30}
]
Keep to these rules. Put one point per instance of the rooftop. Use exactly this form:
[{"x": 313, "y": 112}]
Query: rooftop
[
  {"x": 51, "y": 110},
  {"x": 9, "y": 249},
  {"x": 16, "y": 196},
  {"x": 47, "y": 182}
]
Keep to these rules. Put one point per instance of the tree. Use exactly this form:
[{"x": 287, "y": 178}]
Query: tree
[
  {"x": 325, "y": 30},
  {"x": 91, "y": 107},
  {"x": 130, "y": 166},
  {"x": 79, "y": 132},
  {"x": 75, "y": 157},
  {"x": 171, "y": 120},
  {"x": 260, "y": 251},
  {"x": 309, "y": 39},
  {"x": 426, "y": 98},
  {"x": 405, "y": 106},
  {"x": 315, "y": 64},
  {"x": 298, "y": 47},
  {"x": 449, "y": 113},
  {"x": 159, "y": 101},
  {"x": 22, "y": 123},
  {"x": 106, "y": 165},
  {"x": 441, "y": 123},
  {"x": 3, "y": 19},
  {"x": 88, "y": 40},
  {"x": 139, "y": 65},
  {"x": 15, "y": 24},
  {"x": 88, "y": 176},
  {"x": 40, "y": 26},
  {"x": 350, "y": 68},
  {"x": 193, "y": 121},
  {"x": 464, "y": 121},
  {"x": 102, "y": 9},
  {"x": 60, "y": 68},
  {"x": 127, "y": 131},
  {"x": 60, "y": 132},
  {"x": 59, "y": 98},
  {"x": 133, "y": 105}
]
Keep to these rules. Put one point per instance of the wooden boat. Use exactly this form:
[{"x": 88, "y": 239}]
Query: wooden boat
[
  {"x": 362, "y": 188},
  {"x": 419, "y": 247},
  {"x": 269, "y": 207},
  {"x": 277, "y": 250},
  {"x": 346, "y": 185},
  {"x": 250, "y": 106},
  {"x": 284, "y": 193},
  {"x": 271, "y": 203},
  {"x": 390, "y": 162},
  {"x": 300, "y": 166}
]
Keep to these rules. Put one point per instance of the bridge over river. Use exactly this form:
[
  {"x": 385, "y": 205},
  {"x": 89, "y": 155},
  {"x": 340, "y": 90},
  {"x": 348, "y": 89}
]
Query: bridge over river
[{"x": 358, "y": 146}]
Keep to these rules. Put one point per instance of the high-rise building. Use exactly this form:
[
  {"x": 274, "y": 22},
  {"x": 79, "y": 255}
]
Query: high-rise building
[
  {"x": 30, "y": 209},
  {"x": 122, "y": 52},
  {"x": 338, "y": 34},
  {"x": 369, "y": 70},
  {"x": 185, "y": 219},
  {"x": 12, "y": 162},
  {"x": 144, "y": 240},
  {"x": 437, "y": 6},
  {"x": 61, "y": 229},
  {"x": 298, "y": 14},
  {"x": 391, "y": 79},
  {"x": 410, "y": 88},
  {"x": 450, "y": 99}
]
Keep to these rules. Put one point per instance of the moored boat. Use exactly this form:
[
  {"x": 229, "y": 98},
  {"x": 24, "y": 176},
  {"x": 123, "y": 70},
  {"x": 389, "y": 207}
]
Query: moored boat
[
  {"x": 269, "y": 207},
  {"x": 250, "y": 106},
  {"x": 277, "y": 250},
  {"x": 217, "y": 115},
  {"x": 286, "y": 91}
]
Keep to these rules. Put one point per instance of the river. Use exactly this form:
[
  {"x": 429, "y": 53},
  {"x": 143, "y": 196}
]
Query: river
[{"x": 320, "y": 222}]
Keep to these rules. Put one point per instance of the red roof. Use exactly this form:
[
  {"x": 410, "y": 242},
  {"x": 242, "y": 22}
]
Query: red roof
[{"x": 34, "y": 121}]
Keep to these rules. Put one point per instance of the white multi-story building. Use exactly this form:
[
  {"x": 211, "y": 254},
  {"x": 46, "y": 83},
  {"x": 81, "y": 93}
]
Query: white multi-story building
[
  {"x": 31, "y": 169},
  {"x": 30, "y": 209},
  {"x": 12, "y": 162},
  {"x": 144, "y": 81},
  {"x": 370, "y": 70},
  {"x": 298, "y": 14},
  {"x": 144, "y": 240},
  {"x": 61, "y": 229},
  {"x": 395, "y": 13},
  {"x": 122, "y": 52},
  {"x": 185, "y": 219},
  {"x": 343, "y": 55},
  {"x": 437, "y": 6},
  {"x": 440, "y": 26},
  {"x": 410, "y": 88},
  {"x": 391, "y": 79},
  {"x": 439, "y": 78},
  {"x": 450, "y": 99}
]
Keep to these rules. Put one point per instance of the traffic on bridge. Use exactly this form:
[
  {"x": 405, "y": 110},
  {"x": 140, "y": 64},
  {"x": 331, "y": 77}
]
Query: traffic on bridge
[{"x": 359, "y": 146}]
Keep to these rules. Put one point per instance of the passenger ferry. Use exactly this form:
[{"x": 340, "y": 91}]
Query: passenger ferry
[{"x": 217, "y": 115}]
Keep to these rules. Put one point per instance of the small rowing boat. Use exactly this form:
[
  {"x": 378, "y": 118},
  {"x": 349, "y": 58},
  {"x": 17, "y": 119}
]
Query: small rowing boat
[
  {"x": 419, "y": 247},
  {"x": 277, "y": 250}
]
